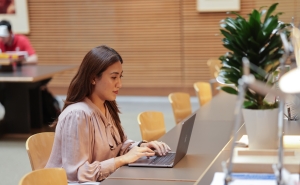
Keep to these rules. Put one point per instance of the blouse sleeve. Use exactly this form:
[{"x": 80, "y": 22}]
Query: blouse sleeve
[
  {"x": 76, "y": 145},
  {"x": 127, "y": 145}
]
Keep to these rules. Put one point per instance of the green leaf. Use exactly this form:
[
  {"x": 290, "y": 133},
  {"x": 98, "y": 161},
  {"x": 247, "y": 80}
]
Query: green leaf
[
  {"x": 275, "y": 42},
  {"x": 262, "y": 37},
  {"x": 230, "y": 29},
  {"x": 232, "y": 46},
  {"x": 254, "y": 22},
  {"x": 227, "y": 35},
  {"x": 254, "y": 44},
  {"x": 235, "y": 13},
  {"x": 270, "y": 24},
  {"x": 279, "y": 13},
  {"x": 250, "y": 96},
  {"x": 253, "y": 56},
  {"x": 232, "y": 23},
  {"x": 245, "y": 27},
  {"x": 232, "y": 71},
  {"x": 229, "y": 90},
  {"x": 241, "y": 42},
  {"x": 261, "y": 8},
  {"x": 270, "y": 10},
  {"x": 229, "y": 78},
  {"x": 259, "y": 77},
  {"x": 262, "y": 12},
  {"x": 267, "y": 105},
  {"x": 229, "y": 61},
  {"x": 255, "y": 15},
  {"x": 248, "y": 104}
]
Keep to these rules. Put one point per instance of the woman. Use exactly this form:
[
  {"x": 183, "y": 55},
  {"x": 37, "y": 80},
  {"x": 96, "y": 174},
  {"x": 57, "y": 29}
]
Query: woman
[{"x": 90, "y": 143}]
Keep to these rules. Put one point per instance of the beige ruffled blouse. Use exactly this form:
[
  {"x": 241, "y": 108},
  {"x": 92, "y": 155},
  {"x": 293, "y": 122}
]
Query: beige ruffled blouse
[{"x": 86, "y": 143}]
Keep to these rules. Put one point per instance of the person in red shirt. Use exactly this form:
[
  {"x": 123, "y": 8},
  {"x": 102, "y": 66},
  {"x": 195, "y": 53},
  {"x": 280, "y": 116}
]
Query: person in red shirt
[{"x": 15, "y": 42}]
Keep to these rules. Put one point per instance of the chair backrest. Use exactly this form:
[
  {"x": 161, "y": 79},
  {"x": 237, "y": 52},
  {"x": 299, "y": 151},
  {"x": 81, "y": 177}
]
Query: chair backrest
[
  {"x": 203, "y": 92},
  {"x": 47, "y": 176},
  {"x": 181, "y": 105},
  {"x": 295, "y": 37},
  {"x": 152, "y": 125},
  {"x": 214, "y": 67},
  {"x": 39, "y": 148}
]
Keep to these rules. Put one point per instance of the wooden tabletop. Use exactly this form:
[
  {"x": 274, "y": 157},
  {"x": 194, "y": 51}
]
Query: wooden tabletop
[
  {"x": 211, "y": 132},
  {"x": 142, "y": 182},
  {"x": 33, "y": 73}
]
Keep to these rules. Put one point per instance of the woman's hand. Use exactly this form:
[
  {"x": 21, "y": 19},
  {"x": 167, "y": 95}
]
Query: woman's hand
[
  {"x": 161, "y": 147},
  {"x": 137, "y": 152}
]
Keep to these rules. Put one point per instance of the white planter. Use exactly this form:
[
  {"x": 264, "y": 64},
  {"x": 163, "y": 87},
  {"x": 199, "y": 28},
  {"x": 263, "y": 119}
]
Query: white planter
[{"x": 261, "y": 128}]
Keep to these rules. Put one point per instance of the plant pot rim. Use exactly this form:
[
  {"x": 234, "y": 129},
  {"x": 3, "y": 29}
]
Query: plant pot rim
[{"x": 261, "y": 109}]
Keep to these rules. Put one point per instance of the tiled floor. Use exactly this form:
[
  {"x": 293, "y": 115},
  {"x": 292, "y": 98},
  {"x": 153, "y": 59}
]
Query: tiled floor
[{"x": 14, "y": 162}]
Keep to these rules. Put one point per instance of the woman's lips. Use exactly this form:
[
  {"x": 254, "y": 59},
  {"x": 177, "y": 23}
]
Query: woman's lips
[{"x": 116, "y": 92}]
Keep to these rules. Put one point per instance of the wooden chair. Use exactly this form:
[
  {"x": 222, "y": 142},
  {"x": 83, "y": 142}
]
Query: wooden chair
[
  {"x": 152, "y": 125},
  {"x": 295, "y": 37},
  {"x": 203, "y": 92},
  {"x": 181, "y": 105},
  {"x": 39, "y": 148},
  {"x": 214, "y": 66},
  {"x": 47, "y": 176}
]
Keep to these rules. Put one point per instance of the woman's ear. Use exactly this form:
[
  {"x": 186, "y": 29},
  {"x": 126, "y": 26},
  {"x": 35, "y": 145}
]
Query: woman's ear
[{"x": 93, "y": 81}]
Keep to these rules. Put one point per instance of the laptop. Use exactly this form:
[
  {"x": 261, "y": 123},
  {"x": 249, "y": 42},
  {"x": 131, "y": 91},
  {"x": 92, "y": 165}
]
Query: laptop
[{"x": 172, "y": 158}]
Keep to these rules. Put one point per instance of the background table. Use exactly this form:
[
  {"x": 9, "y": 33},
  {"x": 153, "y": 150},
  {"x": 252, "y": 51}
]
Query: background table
[{"x": 20, "y": 95}]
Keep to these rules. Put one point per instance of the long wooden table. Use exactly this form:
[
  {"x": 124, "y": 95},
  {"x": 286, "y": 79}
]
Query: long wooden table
[
  {"x": 21, "y": 96},
  {"x": 143, "y": 182},
  {"x": 211, "y": 133},
  {"x": 209, "y": 146}
]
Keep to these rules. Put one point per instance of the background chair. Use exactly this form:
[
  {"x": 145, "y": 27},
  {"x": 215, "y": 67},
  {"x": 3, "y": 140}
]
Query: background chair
[
  {"x": 152, "y": 125},
  {"x": 203, "y": 92},
  {"x": 39, "y": 148},
  {"x": 47, "y": 176},
  {"x": 181, "y": 105},
  {"x": 214, "y": 66}
]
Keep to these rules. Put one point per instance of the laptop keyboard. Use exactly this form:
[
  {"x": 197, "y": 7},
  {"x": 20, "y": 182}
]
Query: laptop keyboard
[{"x": 164, "y": 160}]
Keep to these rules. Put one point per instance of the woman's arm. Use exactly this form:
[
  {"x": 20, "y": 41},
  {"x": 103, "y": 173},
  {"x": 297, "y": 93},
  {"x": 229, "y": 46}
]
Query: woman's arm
[
  {"x": 77, "y": 138},
  {"x": 130, "y": 152},
  {"x": 134, "y": 154}
]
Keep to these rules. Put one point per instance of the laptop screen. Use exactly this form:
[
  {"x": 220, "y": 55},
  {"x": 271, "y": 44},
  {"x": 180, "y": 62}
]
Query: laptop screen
[{"x": 184, "y": 138}]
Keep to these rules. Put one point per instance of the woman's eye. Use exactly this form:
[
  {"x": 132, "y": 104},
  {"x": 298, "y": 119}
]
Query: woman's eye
[{"x": 113, "y": 77}]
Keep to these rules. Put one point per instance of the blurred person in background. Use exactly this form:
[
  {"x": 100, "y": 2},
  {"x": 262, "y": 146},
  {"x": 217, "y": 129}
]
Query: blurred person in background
[{"x": 16, "y": 42}]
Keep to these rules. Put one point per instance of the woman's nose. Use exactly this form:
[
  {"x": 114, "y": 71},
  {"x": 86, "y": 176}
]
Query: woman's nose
[{"x": 119, "y": 84}]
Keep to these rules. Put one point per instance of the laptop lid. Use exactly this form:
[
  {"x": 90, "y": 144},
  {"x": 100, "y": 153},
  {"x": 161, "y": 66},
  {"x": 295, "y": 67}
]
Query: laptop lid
[
  {"x": 182, "y": 146},
  {"x": 184, "y": 138}
]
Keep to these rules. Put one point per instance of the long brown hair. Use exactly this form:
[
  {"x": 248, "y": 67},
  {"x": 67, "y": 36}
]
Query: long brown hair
[{"x": 93, "y": 65}]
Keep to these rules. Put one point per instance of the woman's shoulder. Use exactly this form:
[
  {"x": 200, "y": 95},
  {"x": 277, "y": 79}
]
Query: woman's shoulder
[{"x": 79, "y": 107}]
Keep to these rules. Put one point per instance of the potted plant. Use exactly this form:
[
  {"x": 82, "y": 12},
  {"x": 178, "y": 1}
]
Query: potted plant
[{"x": 257, "y": 39}]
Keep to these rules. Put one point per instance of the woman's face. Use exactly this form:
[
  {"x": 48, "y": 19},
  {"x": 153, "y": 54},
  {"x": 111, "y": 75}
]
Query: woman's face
[{"x": 107, "y": 86}]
